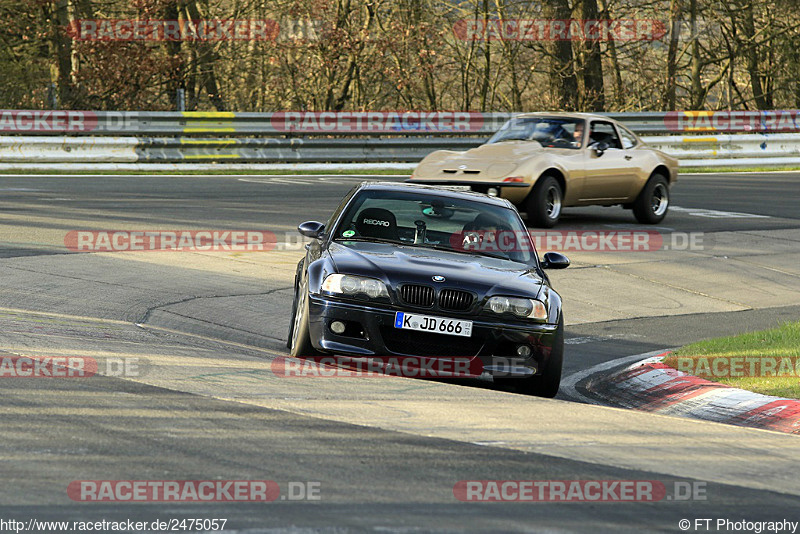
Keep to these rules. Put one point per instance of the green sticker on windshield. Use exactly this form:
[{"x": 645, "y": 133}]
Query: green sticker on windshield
[{"x": 348, "y": 233}]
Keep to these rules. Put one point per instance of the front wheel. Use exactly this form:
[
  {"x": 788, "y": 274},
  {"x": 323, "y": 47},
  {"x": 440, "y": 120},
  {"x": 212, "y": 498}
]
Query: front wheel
[
  {"x": 651, "y": 206},
  {"x": 547, "y": 383},
  {"x": 299, "y": 337},
  {"x": 544, "y": 203}
]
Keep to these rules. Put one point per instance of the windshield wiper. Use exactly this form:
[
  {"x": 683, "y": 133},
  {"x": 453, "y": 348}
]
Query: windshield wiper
[
  {"x": 426, "y": 245},
  {"x": 370, "y": 240},
  {"x": 470, "y": 252}
]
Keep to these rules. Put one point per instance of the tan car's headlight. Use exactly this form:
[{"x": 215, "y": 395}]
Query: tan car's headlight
[{"x": 527, "y": 308}]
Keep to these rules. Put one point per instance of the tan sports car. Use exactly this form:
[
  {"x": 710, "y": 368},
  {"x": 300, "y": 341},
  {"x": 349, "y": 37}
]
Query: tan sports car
[{"x": 543, "y": 162}]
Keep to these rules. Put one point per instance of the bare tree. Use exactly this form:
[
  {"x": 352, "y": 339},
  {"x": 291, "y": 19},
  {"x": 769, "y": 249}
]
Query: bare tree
[{"x": 563, "y": 81}]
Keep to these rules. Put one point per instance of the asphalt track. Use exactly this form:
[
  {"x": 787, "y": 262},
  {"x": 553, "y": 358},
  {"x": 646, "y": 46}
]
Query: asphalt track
[{"x": 372, "y": 478}]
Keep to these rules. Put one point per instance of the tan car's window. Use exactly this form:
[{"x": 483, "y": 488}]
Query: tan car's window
[
  {"x": 550, "y": 132},
  {"x": 603, "y": 132},
  {"x": 628, "y": 139}
]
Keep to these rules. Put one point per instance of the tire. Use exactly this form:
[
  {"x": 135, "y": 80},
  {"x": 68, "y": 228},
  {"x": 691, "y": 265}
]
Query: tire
[
  {"x": 299, "y": 343},
  {"x": 652, "y": 204},
  {"x": 294, "y": 310},
  {"x": 544, "y": 203},
  {"x": 547, "y": 383}
]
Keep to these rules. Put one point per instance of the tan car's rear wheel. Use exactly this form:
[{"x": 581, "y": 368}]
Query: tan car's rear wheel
[
  {"x": 544, "y": 203},
  {"x": 652, "y": 203}
]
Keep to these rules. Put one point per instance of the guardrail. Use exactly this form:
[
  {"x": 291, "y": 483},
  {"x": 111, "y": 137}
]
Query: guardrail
[
  {"x": 371, "y": 123},
  {"x": 733, "y": 150},
  {"x": 368, "y": 139}
]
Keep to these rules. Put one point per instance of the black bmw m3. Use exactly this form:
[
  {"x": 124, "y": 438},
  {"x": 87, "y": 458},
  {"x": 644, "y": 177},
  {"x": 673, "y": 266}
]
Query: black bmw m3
[{"x": 414, "y": 271}]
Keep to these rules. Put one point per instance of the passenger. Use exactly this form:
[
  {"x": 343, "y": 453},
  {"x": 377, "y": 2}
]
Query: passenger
[{"x": 577, "y": 135}]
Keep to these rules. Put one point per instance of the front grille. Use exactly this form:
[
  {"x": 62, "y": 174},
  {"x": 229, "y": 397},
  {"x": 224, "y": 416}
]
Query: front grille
[
  {"x": 417, "y": 295},
  {"x": 414, "y": 343},
  {"x": 464, "y": 171},
  {"x": 455, "y": 300}
]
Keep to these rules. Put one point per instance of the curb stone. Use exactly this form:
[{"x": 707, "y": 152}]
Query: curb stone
[{"x": 652, "y": 386}]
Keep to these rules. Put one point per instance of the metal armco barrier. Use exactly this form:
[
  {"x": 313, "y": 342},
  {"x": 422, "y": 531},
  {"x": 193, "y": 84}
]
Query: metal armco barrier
[
  {"x": 299, "y": 150},
  {"x": 367, "y": 138},
  {"x": 68, "y": 149},
  {"x": 728, "y": 146},
  {"x": 735, "y": 150},
  {"x": 327, "y": 123}
]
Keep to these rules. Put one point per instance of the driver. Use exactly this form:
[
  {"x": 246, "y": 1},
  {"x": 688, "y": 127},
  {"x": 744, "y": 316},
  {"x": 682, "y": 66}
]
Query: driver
[
  {"x": 483, "y": 233},
  {"x": 554, "y": 133}
]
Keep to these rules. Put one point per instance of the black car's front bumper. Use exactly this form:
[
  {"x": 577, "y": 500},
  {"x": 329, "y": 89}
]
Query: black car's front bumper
[{"x": 492, "y": 347}]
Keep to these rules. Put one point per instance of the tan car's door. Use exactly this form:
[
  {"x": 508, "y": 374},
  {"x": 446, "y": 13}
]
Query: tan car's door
[{"x": 612, "y": 175}]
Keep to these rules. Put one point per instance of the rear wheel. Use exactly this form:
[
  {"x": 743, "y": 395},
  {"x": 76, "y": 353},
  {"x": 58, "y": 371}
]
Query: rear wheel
[
  {"x": 544, "y": 203},
  {"x": 652, "y": 204}
]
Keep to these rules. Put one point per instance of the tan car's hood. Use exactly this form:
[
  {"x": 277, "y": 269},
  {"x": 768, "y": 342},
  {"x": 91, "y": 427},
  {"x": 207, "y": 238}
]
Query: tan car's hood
[{"x": 486, "y": 162}]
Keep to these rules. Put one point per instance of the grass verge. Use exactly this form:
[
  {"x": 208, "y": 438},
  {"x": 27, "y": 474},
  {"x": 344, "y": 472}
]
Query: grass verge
[
  {"x": 728, "y": 170},
  {"x": 765, "y": 362}
]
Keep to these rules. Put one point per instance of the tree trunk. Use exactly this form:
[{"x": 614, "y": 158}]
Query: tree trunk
[
  {"x": 337, "y": 98},
  {"x": 670, "y": 93},
  {"x": 175, "y": 78},
  {"x": 697, "y": 62},
  {"x": 751, "y": 56},
  {"x": 563, "y": 81},
  {"x": 487, "y": 61},
  {"x": 206, "y": 56},
  {"x": 60, "y": 50},
  {"x": 795, "y": 73},
  {"x": 619, "y": 90},
  {"x": 591, "y": 69}
]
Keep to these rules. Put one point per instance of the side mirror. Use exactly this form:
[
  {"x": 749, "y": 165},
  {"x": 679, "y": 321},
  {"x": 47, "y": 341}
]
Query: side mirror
[
  {"x": 600, "y": 148},
  {"x": 311, "y": 229},
  {"x": 554, "y": 260}
]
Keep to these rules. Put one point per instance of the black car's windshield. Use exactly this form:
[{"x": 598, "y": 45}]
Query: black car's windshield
[
  {"x": 428, "y": 220},
  {"x": 556, "y": 132}
]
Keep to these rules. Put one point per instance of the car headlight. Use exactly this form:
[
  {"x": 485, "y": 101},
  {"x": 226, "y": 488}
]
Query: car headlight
[
  {"x": 347, "y": 284},
  {"x": 528, "y": 308}
]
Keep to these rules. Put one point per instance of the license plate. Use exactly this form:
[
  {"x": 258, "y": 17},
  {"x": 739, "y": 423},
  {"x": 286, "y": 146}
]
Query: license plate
[{"x": 427, "y": 323}]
